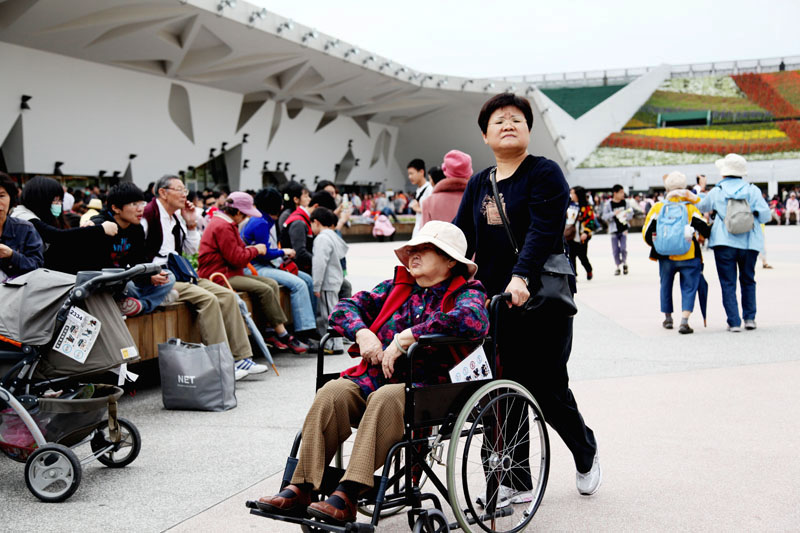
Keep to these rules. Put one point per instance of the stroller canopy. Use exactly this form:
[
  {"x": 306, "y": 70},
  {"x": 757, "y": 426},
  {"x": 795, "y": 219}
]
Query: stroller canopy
[{"x": 29, "y": 304}]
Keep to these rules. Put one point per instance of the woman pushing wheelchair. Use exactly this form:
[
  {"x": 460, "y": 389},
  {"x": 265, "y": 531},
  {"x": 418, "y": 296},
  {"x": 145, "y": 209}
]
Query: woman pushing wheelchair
[{"x": 430, "y": 293}]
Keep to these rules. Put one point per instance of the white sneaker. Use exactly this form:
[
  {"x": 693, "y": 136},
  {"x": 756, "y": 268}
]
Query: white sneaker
[
  {"x": 750, "y": 324},
  {"x": 734, "y": 329},
  {"x": 251, "y": 366},
  {"x": 506, "y": 496},
  {"x": 589, "y": 482},
  {"x": 172, "y": 297},
  {"x": 239, "y": 374}
]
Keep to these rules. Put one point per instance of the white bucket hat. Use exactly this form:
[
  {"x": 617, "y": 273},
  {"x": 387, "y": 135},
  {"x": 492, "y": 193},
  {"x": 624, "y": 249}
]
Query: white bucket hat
[
  {"x": 732, "y": 165},
  {"x": 675, "y": 180},
  {"x": 446, "y": 237}
]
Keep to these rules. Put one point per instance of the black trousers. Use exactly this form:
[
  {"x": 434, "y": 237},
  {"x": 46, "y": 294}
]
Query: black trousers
[
  {"x": 579, "y": 250},
  {"x": 534, "y": 351}
]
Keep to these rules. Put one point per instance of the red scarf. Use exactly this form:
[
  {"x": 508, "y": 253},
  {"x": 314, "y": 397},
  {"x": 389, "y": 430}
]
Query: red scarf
[{"x": 401, "y": 289}]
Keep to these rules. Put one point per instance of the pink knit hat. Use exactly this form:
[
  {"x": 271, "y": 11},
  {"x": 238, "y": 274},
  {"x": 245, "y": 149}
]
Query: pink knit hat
[{"x": 457, "y": 164}]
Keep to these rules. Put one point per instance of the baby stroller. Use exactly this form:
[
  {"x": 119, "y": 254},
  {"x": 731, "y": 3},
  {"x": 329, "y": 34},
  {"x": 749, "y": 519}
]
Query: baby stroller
[{"x": 54, "y": 329}]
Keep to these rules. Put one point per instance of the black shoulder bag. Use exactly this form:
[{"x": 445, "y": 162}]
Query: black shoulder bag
[{"x": 554, "y": 294}]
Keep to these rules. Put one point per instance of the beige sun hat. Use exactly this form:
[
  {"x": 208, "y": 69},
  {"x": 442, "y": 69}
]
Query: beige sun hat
[
  {"x": 446, "y": 237},
  {"x": 95, "y": 203},
  {"x": 675, "y": 180},
  {"x": 732, "y": 165}
]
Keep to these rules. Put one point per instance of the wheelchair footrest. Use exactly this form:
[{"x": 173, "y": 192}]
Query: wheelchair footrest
[{"x": 314, "y": 525}]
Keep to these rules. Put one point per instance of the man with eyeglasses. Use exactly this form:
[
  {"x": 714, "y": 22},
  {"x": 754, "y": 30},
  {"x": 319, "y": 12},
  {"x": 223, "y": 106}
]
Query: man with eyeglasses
[
  {"x": 170, "y": 225},
  {"x": 125, "y": 207}
]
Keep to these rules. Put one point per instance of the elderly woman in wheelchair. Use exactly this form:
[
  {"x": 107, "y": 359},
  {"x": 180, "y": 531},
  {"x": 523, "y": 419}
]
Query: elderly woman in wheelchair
[
  {"x": 429, "y": 294},
  {"x": 408, "y": 412}
]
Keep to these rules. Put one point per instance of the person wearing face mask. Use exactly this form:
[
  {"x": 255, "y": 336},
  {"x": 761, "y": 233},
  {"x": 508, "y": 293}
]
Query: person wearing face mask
[
  {"x": 21, "y": 248},
  {"x": 66, "y": 249}
]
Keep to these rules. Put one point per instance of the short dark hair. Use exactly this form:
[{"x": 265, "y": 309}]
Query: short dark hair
[
  {"x": 323, "y": 199},
  {"x": 325, "y": 216},
  {"x": 324, "y": 183},
  {"x": 38, "y": 196},
  {"x": 436, "y": 174},
  {"x": 123, "y": 194},
  {"x": 504, "y": 100},
  {"x": 269, "y": 201},
  {"x": 11, "y": 188},
  {"x": 617, "y": 188},
  {"x": 417, "y": 164}
]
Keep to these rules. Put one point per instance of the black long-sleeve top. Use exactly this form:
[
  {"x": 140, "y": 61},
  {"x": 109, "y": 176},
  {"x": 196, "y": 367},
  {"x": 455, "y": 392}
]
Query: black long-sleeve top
[
  {"x": 536, "y": 197},
  {"x": 71, "y": 250}
]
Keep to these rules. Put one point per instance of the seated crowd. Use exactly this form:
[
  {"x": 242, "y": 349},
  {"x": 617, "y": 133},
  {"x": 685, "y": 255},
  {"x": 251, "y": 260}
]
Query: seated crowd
[{"x": 237, "y": 235}]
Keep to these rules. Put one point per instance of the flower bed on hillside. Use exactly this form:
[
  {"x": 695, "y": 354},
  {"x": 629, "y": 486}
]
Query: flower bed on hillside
[
  {"x": 701, "y": 145},
  {"x": 626, "y": 157}
]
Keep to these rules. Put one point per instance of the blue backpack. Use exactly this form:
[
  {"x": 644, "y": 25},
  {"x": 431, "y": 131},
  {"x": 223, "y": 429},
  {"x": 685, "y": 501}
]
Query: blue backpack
[{"x": 669, "y": 229}]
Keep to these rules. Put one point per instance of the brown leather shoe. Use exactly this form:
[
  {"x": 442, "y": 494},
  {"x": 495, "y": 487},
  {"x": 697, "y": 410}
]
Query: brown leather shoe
[
  {"x": 328, "y": 513},
  {"x": 293, "y": 506}
]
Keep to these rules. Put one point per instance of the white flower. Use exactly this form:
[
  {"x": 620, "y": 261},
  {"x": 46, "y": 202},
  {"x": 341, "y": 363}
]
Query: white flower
[
  {"x": 631, "y": 157},
  {"x": 705, "y": 85}
]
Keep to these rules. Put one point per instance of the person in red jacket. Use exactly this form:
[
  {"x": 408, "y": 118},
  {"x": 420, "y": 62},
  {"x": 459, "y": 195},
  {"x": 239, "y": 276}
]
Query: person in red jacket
[
  {"x": 222, "y": 250},
  {"x": 443, "y": 203}
]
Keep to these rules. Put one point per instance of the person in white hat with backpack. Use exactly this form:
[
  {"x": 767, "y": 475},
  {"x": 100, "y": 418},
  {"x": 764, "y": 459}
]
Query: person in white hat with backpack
[{"x": 736, "y": 237}]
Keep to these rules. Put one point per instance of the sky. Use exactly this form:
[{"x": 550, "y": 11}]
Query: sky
[{"x": 510, "y": 38}]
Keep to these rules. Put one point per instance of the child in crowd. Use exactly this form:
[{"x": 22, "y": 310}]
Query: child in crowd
[{"x": 329, "y": 250}]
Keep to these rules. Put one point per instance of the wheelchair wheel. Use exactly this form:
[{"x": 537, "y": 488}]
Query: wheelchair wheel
[
  {"x": 498, "y": 459},
  {"x": 125, "y": 451},
  {"x": 53, "y": 473},
  {"x": 433, "y": 521}
]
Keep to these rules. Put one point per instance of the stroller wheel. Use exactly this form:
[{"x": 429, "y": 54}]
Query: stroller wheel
[
  {"x": 53, "y": 473},
  {"x": 122, "y": 453}
]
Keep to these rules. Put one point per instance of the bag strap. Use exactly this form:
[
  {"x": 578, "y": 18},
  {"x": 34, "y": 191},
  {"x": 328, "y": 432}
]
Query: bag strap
[{"x": 502, "y": 211}]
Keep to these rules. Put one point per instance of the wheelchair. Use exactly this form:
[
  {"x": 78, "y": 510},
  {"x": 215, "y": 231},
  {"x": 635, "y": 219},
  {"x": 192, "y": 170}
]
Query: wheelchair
[{"x": 464, "y": 443}]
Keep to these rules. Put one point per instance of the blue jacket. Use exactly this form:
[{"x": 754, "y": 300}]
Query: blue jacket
[
  {"x": 257, "y": 231},
  {"x": 717, "y": 200},
  {"x": 22, "y": 237}
]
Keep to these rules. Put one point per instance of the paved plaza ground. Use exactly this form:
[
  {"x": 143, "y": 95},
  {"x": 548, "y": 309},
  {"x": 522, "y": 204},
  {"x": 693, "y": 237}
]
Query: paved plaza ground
[{"x": 696, "y": 432}]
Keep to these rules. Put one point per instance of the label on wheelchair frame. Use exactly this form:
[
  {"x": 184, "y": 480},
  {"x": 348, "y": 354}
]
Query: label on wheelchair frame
[
  {"x": 78, "y": 335},
  {"x": 474, "y": 367}
]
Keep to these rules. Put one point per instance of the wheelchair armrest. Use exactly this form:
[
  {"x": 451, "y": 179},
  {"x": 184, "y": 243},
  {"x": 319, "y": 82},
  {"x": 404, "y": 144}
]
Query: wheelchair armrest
[{"x": 434, "y": 339}]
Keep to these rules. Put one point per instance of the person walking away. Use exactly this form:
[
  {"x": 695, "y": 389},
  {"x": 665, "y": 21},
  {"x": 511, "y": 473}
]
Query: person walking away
[
  {"x": 736, "y": 237},
  {"x": 416, "y": 175},
  {"x": 580, "y": 215},
  {"x": 618, "y": 213},
  {"x": 329, "y": 250},
  {"x": 443, "y": 202},
  {"x": 670, "y": 229},
  {"x": 534, "y": 196}
]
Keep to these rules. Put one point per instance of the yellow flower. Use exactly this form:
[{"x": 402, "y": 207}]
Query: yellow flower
[{"x": 727, "y": 135}]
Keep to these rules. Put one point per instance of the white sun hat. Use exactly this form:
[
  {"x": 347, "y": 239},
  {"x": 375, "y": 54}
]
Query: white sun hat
[
  {"x": 732, "y": 165},
  {"x": 446, "y": 237}
]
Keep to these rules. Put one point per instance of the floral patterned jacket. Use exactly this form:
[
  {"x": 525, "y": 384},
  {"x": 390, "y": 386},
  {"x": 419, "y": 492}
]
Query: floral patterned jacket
[{"x": 422, "y": 312}]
